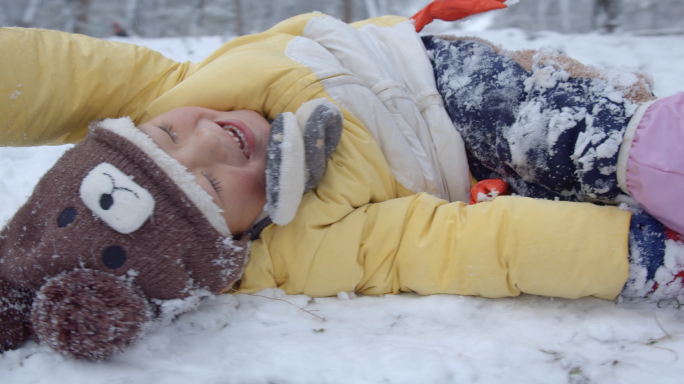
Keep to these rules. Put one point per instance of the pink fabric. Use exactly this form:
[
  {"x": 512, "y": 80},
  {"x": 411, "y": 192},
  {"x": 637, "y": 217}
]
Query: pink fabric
[{"x": 655, "y": 168}]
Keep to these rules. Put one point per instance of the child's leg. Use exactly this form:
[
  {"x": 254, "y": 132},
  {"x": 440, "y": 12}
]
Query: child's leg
[
  {"x": 651, "y": 164},
  {"x": 536, "y": 125},
  {"x": 656, "y": 260}
]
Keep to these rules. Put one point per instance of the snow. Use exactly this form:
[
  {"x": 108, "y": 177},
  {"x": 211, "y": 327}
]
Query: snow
[
  {"x": 395, "y": 339},
  {"x": 274, "y": 338}
]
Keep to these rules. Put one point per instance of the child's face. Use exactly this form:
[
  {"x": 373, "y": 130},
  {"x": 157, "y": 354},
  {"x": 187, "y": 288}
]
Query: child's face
[{"x": 225, "y": 151}]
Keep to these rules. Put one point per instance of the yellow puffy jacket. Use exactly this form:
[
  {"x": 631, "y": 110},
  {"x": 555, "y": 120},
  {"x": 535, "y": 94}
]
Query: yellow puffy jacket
[{"x": 370, "y": 226}]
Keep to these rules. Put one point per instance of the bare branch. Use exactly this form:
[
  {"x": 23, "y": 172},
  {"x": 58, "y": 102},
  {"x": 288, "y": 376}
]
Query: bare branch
[{"x": 271, "y": 298}]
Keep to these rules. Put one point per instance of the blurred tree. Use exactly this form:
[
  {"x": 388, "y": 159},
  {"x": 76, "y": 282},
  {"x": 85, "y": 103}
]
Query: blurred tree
[
  {"x": 566, "y": 16},
  {"x": 195, "y": 18},
  {"x": 238, "y": 17},
  {"x": 166, "y": 18},
  {"x": 348, "y": 9},
  {"x": 130, "y": 19},
  {"x": 75, "y": 13},
  {"x": 69, "y": 15},
  {"x": 82, "y": 9},
  {"x": 606, "y": 13},
  {"x": 376, "y": 8},
  {"x": 30, "y": 13},
  {"x": 564, "y": 13},
  {"x": 542, "y": 11}
]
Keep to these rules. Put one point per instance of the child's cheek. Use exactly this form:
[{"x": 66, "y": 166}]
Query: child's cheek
[{"x": 251, "y": 189}]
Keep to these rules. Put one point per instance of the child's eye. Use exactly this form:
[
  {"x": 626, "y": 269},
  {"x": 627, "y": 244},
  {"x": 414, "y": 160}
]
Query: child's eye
[
  {"x": 169, "y": 131},
  {"x": 214, "y": 182}
]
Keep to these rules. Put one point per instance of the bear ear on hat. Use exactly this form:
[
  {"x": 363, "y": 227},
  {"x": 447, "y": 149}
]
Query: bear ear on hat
[
  {"x": 115, "y": 314},
  {"x": 116, "y": 199}
]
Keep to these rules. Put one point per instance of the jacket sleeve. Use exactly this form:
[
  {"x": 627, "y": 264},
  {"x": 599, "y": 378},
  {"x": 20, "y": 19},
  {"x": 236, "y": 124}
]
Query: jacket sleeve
[
  {"x": 54, "y": 83},
  {"x": 423, "y": 244}
]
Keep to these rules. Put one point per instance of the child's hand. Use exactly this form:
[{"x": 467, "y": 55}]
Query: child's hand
[
  {"x": 321, "y": 124},
  {"x": 299, "y": 147}
]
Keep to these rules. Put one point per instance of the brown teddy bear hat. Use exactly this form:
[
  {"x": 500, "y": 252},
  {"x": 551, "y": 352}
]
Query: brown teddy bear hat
[{"x": 114, "y": 223}]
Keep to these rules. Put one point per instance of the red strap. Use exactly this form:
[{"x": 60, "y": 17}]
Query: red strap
[
  {"x": 672, "y": 235},
  {"x": 451, "y": 10},
  {"x": 489, "y": 188}
]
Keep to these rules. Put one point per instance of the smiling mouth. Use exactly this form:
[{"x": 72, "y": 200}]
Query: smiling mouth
[{"x": 239, "y": 138}]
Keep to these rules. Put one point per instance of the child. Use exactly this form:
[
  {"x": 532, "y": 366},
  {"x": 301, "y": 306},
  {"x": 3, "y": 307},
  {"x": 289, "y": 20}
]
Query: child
[{"x": 380, "y": 219}]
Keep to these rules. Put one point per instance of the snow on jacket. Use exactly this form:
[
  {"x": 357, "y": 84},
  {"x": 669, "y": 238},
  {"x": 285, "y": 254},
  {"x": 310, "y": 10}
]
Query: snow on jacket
[{"x": 380, "y": 220}]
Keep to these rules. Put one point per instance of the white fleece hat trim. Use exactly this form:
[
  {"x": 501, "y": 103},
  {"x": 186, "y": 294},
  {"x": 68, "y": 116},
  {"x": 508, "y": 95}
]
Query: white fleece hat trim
[{"x": 125, "y": 128}]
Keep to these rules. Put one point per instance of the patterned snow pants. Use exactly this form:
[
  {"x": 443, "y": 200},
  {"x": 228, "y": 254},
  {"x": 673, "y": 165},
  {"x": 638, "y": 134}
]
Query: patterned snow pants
[{"x": 547, "y": 134}]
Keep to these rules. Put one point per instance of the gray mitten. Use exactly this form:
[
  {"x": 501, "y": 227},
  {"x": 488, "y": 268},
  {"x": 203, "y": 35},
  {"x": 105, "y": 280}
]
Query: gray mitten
[{"x": 298, "y": 150}]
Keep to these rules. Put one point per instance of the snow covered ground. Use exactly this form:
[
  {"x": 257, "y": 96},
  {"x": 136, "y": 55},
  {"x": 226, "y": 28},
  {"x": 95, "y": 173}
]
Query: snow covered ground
[{"x": 274, "y": 338}]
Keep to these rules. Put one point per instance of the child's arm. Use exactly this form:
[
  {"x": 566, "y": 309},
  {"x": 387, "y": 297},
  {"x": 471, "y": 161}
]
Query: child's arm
[
  {"x": 424, "y": 244},
  {"x": 53, "y": 84},
  {"x": 360, "y": 230}
]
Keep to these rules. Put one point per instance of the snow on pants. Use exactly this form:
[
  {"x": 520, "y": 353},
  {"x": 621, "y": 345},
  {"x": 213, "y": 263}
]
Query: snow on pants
[{"x": 547, "y": 134}]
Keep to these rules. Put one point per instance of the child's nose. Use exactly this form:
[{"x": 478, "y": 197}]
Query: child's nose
[{"x": 202, "y": 151}]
